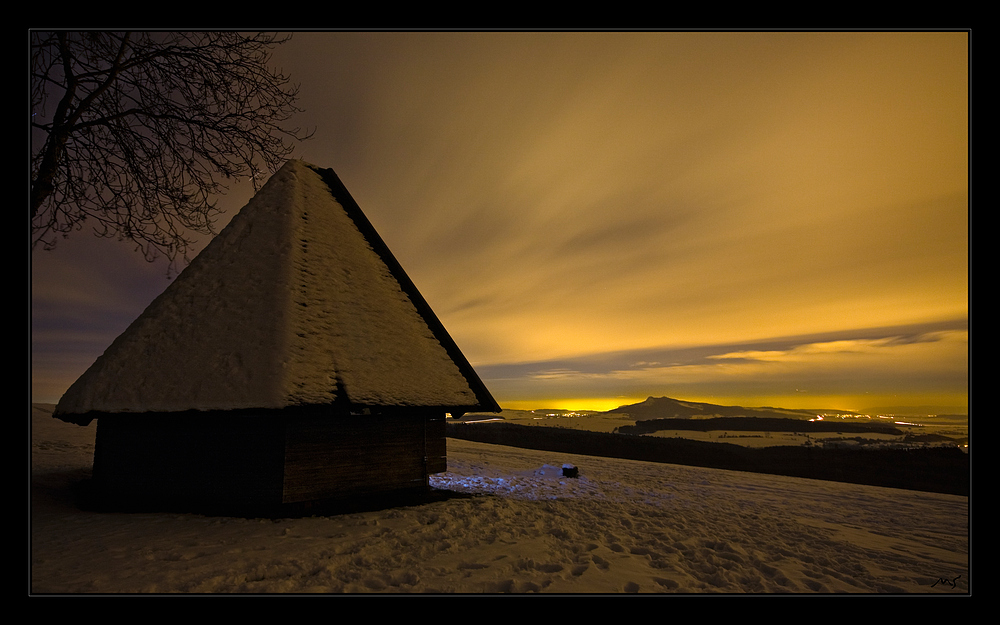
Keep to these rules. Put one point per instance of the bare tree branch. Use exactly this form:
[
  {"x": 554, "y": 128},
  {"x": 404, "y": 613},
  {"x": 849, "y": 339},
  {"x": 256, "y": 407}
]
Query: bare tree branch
[{"x": 147, "y": 128}]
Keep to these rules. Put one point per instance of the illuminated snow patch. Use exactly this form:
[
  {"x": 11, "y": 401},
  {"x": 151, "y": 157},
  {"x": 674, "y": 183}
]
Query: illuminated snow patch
[{"x": 544, "y": 483}]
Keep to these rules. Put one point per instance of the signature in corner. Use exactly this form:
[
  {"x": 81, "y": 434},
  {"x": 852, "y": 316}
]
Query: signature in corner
[{"x": 944, "y": 580}]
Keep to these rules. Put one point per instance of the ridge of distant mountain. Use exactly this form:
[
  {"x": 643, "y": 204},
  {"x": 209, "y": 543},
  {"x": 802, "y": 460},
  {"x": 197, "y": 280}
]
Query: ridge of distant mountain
[{"x": 666, "y": 408}]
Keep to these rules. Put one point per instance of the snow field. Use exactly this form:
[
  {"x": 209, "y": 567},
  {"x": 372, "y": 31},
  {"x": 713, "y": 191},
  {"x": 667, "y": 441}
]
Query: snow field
[{"x": 513, "y": 525}]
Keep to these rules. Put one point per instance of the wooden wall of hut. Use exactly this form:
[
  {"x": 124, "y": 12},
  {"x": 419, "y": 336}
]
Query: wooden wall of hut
[
  {"x": 360, "y": 455},
  {"x": 240, "y": 462}
]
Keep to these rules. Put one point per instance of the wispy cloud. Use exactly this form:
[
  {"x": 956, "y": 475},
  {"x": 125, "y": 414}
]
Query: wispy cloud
[{"x": 907, "y": 360}]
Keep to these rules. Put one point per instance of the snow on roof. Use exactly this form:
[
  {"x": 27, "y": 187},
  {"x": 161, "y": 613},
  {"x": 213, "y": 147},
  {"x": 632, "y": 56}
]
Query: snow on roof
[{"x": 296, "y": 302}]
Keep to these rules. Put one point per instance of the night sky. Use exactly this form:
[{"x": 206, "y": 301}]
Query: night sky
[{"x": 742, "y": 218}]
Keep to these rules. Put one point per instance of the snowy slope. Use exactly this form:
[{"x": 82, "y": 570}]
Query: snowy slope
[{"x": 622, "y": 526}]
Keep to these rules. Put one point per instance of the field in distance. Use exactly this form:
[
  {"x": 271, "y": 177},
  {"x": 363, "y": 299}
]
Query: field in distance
[{"x": 749, "y": 427}]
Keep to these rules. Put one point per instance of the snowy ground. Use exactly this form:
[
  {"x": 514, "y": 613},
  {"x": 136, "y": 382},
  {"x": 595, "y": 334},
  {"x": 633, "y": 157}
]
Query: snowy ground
[{"x": 620, "y": 527}]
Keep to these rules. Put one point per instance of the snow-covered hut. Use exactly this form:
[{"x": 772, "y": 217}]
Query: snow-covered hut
[{"x": 292, "y": 361}]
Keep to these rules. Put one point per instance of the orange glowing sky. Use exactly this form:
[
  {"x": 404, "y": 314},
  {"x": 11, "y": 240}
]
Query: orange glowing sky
[{"x": 757, "y": 218}]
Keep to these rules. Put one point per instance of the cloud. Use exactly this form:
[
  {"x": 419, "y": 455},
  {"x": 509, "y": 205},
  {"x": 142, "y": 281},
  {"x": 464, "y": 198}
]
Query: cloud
[
  {"x": 932, "y": 359},
  {"x": 887, "y": 347}
]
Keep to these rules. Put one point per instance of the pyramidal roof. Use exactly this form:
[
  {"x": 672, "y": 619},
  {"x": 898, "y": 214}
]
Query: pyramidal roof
[{"x": 297, "y": 302}]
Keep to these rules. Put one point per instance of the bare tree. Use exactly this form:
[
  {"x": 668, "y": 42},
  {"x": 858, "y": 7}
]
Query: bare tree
[{"x": 135, "y": 133}]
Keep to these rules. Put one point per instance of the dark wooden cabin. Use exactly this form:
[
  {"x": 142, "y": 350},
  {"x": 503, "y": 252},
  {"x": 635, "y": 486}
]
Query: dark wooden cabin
[{"x": 293, "y": 361}]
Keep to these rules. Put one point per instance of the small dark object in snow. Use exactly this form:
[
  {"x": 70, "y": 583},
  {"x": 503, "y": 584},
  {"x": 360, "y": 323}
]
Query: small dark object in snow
[{"x": 570, "y": 471}]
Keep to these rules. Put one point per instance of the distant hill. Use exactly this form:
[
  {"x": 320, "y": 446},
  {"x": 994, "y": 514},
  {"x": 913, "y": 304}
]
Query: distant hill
[{"x": 667, "y": 408}]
